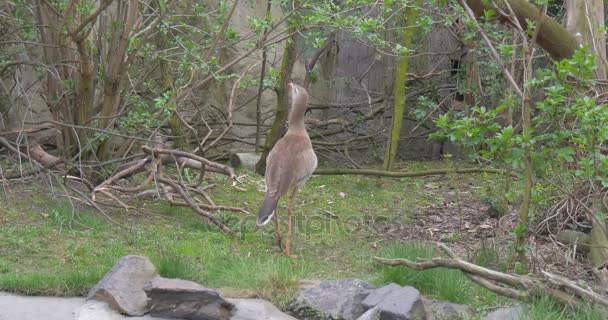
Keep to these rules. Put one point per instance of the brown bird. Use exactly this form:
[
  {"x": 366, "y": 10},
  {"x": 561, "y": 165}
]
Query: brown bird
[{"x": 289, "y": 164}]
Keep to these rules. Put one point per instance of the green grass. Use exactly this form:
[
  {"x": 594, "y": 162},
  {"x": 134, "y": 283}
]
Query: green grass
[
  {"x": 53, "y": 246},
  {"x": 546, "y": 308}
]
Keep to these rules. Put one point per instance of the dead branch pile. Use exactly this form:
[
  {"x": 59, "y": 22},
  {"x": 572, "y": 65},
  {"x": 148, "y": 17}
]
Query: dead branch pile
[
  {"x": 167, "y": 184},
  {"x": 579, "y": 222},
  {"x": 173, "y": 188}
]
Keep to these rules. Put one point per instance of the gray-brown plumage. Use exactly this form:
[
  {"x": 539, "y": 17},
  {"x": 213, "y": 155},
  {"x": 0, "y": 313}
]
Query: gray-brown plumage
[{"x": 289, "y": 164}]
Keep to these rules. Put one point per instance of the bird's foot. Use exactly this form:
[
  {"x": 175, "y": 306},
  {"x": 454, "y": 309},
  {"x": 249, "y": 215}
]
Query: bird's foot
[{"x": 280, "y": 243}]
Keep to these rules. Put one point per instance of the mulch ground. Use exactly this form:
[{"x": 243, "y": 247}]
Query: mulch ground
[{"x": 466, "y": 226}]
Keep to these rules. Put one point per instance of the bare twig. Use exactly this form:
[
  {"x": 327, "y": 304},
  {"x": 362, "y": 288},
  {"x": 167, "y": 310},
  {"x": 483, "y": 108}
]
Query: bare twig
[{"x": 230, "y": 105}]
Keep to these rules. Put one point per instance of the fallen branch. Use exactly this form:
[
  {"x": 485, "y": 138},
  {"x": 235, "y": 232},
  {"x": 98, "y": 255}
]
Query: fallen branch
[
  {"x": 182, "y": 154},
  {"x": 371, "y": 172},
  {"x": 523, "y": 288},
  {"x": 36, "y": 155}
]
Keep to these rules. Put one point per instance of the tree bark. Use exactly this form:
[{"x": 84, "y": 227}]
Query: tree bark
[
  {"x": 552, "y": 37},
  {"x": 400, "y": 86},
  {"x": 584, "y": 19}
]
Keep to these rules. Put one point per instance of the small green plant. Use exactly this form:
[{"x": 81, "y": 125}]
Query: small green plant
[
  {"x": 172, "y": 264},
  {"x": 487, "y": 255},
  {"x": 452, "y": 237}
]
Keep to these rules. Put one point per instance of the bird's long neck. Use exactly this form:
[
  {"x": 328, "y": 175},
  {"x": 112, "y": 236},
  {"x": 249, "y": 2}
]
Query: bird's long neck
[{"x": 296, "y": 115}]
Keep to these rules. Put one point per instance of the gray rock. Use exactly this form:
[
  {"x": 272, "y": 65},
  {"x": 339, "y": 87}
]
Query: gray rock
[
  {"x": 256, "y": 309},
  {"x": 508, "y": 313},
  {"x": 371, "y": 314},
  {"x": 396, "y": 303},
  {"x": 441, "y": 310},
  {"x": 340, "y": 299},
  {"x": 176, "y": 298},
  {"x": 122, "y": 286}
]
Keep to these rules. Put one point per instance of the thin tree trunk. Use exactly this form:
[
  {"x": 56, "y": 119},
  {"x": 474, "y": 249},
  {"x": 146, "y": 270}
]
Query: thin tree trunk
[
  {"x": 585, "y": 19},
  {"x": 520, "y": 234},
  {"x": 85, "y": 95},
  {"x": 287, "y": 63},
  {"x": 400, "y": 88},
  {"x": 115, "y": 72},
  {"x": 258, "y": 107}
]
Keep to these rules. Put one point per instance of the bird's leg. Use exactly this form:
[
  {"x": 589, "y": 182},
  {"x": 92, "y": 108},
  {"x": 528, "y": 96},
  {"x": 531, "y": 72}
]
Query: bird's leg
[
  {"x": 278, "y": 230},
  {"x": 289, "y": 211}
]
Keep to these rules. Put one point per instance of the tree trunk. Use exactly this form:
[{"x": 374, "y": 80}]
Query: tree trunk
[
  {"x": 289, "y": 59},
  {"x": 400, "y": 86},
  {"x": 55, "y": 51},
  {"x": 116, "y": 69},
  {"x": 553, "y": 37},
  {"x": 585, "y": 19}
]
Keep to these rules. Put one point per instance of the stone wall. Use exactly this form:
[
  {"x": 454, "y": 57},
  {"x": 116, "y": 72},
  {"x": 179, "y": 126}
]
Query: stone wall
[{"x": 346, "y": 73}]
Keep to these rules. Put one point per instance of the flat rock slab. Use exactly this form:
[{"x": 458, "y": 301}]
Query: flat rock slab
[
  {"x": 509, "y": 313},
  {"x": 16, "y": 307},
  {"x": 442, "y": 310},
  {"x": 256, "y": 309},
  {"x": 340, "y": 299},
  {"x": 176, "y": 298},
  {"x": 396, "y": 302},
  {"x": 122, "y": 286},
  {"x": 98, "y": 310}
]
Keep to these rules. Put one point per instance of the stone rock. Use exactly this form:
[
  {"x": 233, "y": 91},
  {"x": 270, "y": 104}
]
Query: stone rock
[
  {"x": 508, "y": 313},
  {"x": 256, "y": 309},
  {"x": 176, "y": 298},
  {"x": 371, "y": 314},
  {"x": 442, "y": 310},
  {"x": 396, "y": 302},
  {"x": 340, "y": 299},
  {"x": 122, "y": 286}
]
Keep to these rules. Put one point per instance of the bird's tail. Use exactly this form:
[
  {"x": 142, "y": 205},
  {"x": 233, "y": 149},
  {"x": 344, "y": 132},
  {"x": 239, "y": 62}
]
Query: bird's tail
[{"x": 269, "y": 205}]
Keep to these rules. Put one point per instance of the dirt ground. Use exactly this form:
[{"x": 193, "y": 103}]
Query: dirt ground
[{"x": 467, "y": 226}]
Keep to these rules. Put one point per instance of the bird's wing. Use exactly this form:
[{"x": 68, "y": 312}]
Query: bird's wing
[
  {"x": 289, "y": 163},
  {"x": 275, "y": 169},
  {"x": 307, "y": 163}
]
